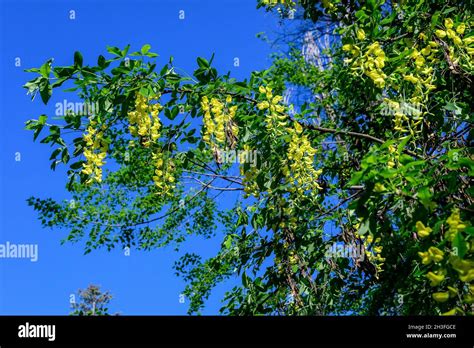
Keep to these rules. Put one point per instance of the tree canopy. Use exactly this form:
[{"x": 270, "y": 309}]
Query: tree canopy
[{"x": 376, "y": 159}]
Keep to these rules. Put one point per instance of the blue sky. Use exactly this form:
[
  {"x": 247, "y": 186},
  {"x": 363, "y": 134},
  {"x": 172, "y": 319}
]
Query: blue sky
[{"x": 144, "y": 282}]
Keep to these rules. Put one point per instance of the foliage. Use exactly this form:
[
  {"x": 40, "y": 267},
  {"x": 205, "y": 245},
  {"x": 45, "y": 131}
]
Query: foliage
[
  {"x": 376, "y": 159},
  {"x": 92, "y": 302}
]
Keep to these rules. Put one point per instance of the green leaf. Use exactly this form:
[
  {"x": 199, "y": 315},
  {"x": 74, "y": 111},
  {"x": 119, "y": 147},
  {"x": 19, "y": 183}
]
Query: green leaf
[
  {"x": 46, "y": 90},
  {"x": 102, "y": 62},
  {"x": 78, "y": 59},
  {"x": 470, "y": 230},
  {"x": 45, "y": 69},
  {"x": 460, "y": 244},
  {"x": 145, "y": 48},
  {"x": 364, "y": 227},
  {"x": 245, "y": 280},
  {"x": 203, "y": 63},
  {"x": 114, "y": 50}
]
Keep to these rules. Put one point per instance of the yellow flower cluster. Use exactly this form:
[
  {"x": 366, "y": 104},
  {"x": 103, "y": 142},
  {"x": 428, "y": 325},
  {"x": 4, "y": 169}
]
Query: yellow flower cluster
[
  {"x": 275, "y": 119},
  {"x": 422, "y": 230},
  {"x": 400, "y": 119},
  {"x": 299, "y": 166},
  {"x": 375, "y": 254},
  {"x": 448, "y": 32},
  {"x": 249, "y": 181},
  {"x": 218, "y": 119},
  {"x": 371, "y": 63},
  {"x": 432, "y": 255},
  {"x": 463, "y": 266},
  {"x": 455, "y": 224},
  {"x": 95, "y": 151},
  {"x": 423, "y": 76},
  {"x": 144, "y": 121},
  {"x": 164, "y": 174},
  {"x": 436, "y": 277}
]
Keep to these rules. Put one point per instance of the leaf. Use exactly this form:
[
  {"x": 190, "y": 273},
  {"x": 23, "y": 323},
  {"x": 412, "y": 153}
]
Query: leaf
[
  {"x": 245, "y": 280},
  {"x": 45, "y": 69},
  {"x": 78, "y": 59},
  {"x": 460, "y": 244},
  {"x": 145, "y": 48},
  {"x": 102, "y": 62},
  {"x": 114, "y": 50},
  {"x": 203, "y": 63},
  {"x": 402, "y": 144},
  {"x": 364, "y": 227},
  {"x": 45, "y": 90},
  {"x": 59, "y": 82},
  {"x": 228, "y": 242},
  {"x": 470, "y": 230},
  {"x": 77, "y": 165},
  {"x": 55, "y": 153}
]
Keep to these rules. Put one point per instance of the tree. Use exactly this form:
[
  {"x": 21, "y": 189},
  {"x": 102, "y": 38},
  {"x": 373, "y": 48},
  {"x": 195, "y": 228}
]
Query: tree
[
  {"x": 92, "y": 302},
  {"x": 376, "y": 160}
]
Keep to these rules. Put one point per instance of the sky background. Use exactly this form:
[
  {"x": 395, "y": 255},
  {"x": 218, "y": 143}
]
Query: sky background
[{"x": 34, "y": 31}]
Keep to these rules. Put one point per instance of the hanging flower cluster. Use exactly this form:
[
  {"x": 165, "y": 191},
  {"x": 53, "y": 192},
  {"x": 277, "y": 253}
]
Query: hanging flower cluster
[
  {"x": 464, "y": 267},
  {"x": 299, "y": 167},
  {"x": 373, "y": 252},
  {"x": 275, "y": 119},
  {"x": 163, "y": 177},
  {"x": 95, "y": 151},
  {"x": 453, "y": 33},
  {"x": 144, "y": 120},
  {"x": 220, "y": 130},
  {"x": 371, "y": 63}
]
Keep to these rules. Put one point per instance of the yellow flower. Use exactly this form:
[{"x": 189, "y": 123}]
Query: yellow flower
[
  {"x": 426, "y": 51},
  {"x": 457, "y": 40},
  {"x": 469, "y": 299},
  {"x": 451, "y": 312},
  {"x": 440, "y": 33},
  {"x": 448, "y": 23},
  {"x": 298, "y": 128},
  {"x": 455, "y": 224},
  {"x": 360, "y": 33},
  {"x": 422, "y": 230},
  {"x": 435, "y": 279},
  {"x": 435, "y": 254},
  {"x": 346, "y": 47},
  {"x": 451, "y": 33},
  {"x": 420, "y": 61},
  {"x": 441, "y": 296},
  {"x": 452, "y": 291},
  {"x": 461, "y": 28},
  {"x": 425, "y": 257},
  {"x": 379, "y": 187},
  {"x": 410, "y": 78},
  {"x": 469, "y": 277},
  {"x": 468, "y": 40}
]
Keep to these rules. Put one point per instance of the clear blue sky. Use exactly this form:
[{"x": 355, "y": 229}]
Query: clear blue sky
[{"x": 34, "y": 31}]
